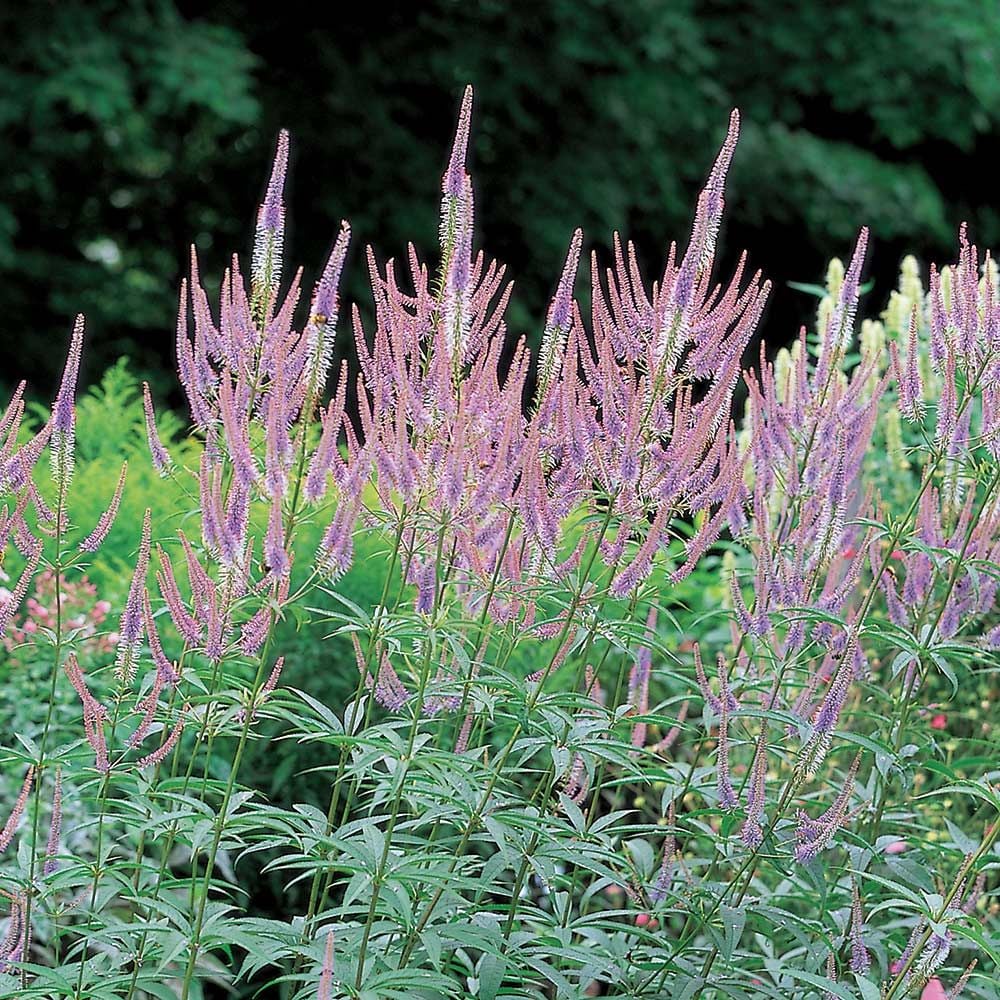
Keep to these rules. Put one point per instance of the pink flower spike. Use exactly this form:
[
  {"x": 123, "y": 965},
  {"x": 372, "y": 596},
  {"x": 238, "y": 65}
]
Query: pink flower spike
[
  {"x": 158, "y": 755},
  {"x": 325, "y": 988},
  {"x": 10, "y": 827},
  {"x": 272, "y": 680},
  {"x": 8, "y": 607}
]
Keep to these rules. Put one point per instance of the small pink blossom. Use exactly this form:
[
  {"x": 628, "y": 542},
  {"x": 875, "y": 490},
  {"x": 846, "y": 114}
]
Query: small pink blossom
[{"x": 934, "y": 990}]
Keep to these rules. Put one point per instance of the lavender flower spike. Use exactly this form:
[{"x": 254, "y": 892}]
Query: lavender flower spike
[
  {"x": 325, "y": 310},
  {"x": 96, "y": 538},
  {"x": 454, "y": 177},
  {"x": 63, "y": 438},
  {"x": 55, "y": 827},
  {"x": 559, "y": 319},
  {"x": 752, "y": 833},
  {"x": 815, "y": 835},
  {"x": 130, "y": 629},
  {"x": 12, "y": 945},
  {"x": 728, "y": 799},
  {"x": 275, "y": 554},
  {"x": 160, "y": 753},
  {"x": 269, "y": 241},
  {"x": 162, "y": 461},
  {"x": 861, "y": 961},
  {"x": 272, "y": 212}
]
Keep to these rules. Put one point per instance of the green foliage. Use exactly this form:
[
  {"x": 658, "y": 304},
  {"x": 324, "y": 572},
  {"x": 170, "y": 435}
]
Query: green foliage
[{"x": 142, "y": 92}]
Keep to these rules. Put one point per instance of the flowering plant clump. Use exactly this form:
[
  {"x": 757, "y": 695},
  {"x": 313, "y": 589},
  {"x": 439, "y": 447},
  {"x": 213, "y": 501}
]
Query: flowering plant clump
[{"x": 648, "y": 703}]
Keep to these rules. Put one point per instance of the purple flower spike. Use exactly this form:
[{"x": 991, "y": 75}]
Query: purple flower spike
[
  {"x": 728, "y": 799},
  {"x": 272, "y": 212},
  {"x": 454, "y": 176},
  {"x": 96, "y": 538},
  {"x": 861, "y": 961},
  {"x": 752, "y": 832},
  {"x": 160, "y": 753},
  {"x": 560, "y": 318},
  {"x": 162, "y": 461},
  {"x": 63, "y": 412},
  {"x": 63, "y": 440},
  {"x": 55, "y": 827},
  {"x": 325, "y": 305},
  {"x": 270, "y": 236},
  {"x": 814, "y": 835},
  {"x": 131, "y": 628},
  {"x": 274, "y": 541}
]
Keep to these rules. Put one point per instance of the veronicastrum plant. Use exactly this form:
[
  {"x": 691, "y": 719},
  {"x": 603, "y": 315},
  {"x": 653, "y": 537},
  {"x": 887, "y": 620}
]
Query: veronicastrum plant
[{"x": 649, "y": 704}]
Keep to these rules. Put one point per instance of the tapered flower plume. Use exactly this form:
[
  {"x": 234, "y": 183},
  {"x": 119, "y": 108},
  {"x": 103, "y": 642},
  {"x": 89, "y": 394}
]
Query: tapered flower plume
[
  {"x": 270, "y": 237},
  {"x": 162, "y": 461},
  {"x": 148, "y": 706},
  {"x": 962, "y": 980},
  {"x": 63, "y": 441},
  {"x": 752, "y": 832},
  {"x": 130, "y": 630},
  {"x": 184, "y": 621},
  {"x": 325, "y": 989},
  {"x": 454, "y": 176},
  {"x": 106, "y": 521},
  {"x": 336, "y": 550},
  {"x": 861, "y": 961},
  {"x": 55, "y": 827},
  {"x": 94, "y": 714},
  {"x": 324, "y": 313},
  {"x": 10, "y": 827},
  {"x": 711, "y": 204},
  {"x": 14, "y": 943},
  {"x": 907, "y": 372},
  {"x": 559, "y": 319},
  {"x": 814, "y": 835},
  {"x": 160, "y": 753},
  {"x": 275, "y": 554},
  {"x": 164, "y": 668},
  {"x": 728, "y": 798},
  {"x": 9, "y": 607}
]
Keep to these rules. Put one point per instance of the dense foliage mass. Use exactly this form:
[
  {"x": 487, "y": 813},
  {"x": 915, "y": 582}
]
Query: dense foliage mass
[
  {"x": 595, "y": 114},
  {"x": 647, "y": 698}
]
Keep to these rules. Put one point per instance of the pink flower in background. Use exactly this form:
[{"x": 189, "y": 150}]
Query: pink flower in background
[
  {"x": 934, "y": 990},
  {"x": 81, "y": 612},
  {"x": 940, "y": 721}
]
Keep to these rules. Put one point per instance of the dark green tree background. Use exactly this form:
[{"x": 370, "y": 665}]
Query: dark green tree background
[{"x": 129, "y": 130}]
